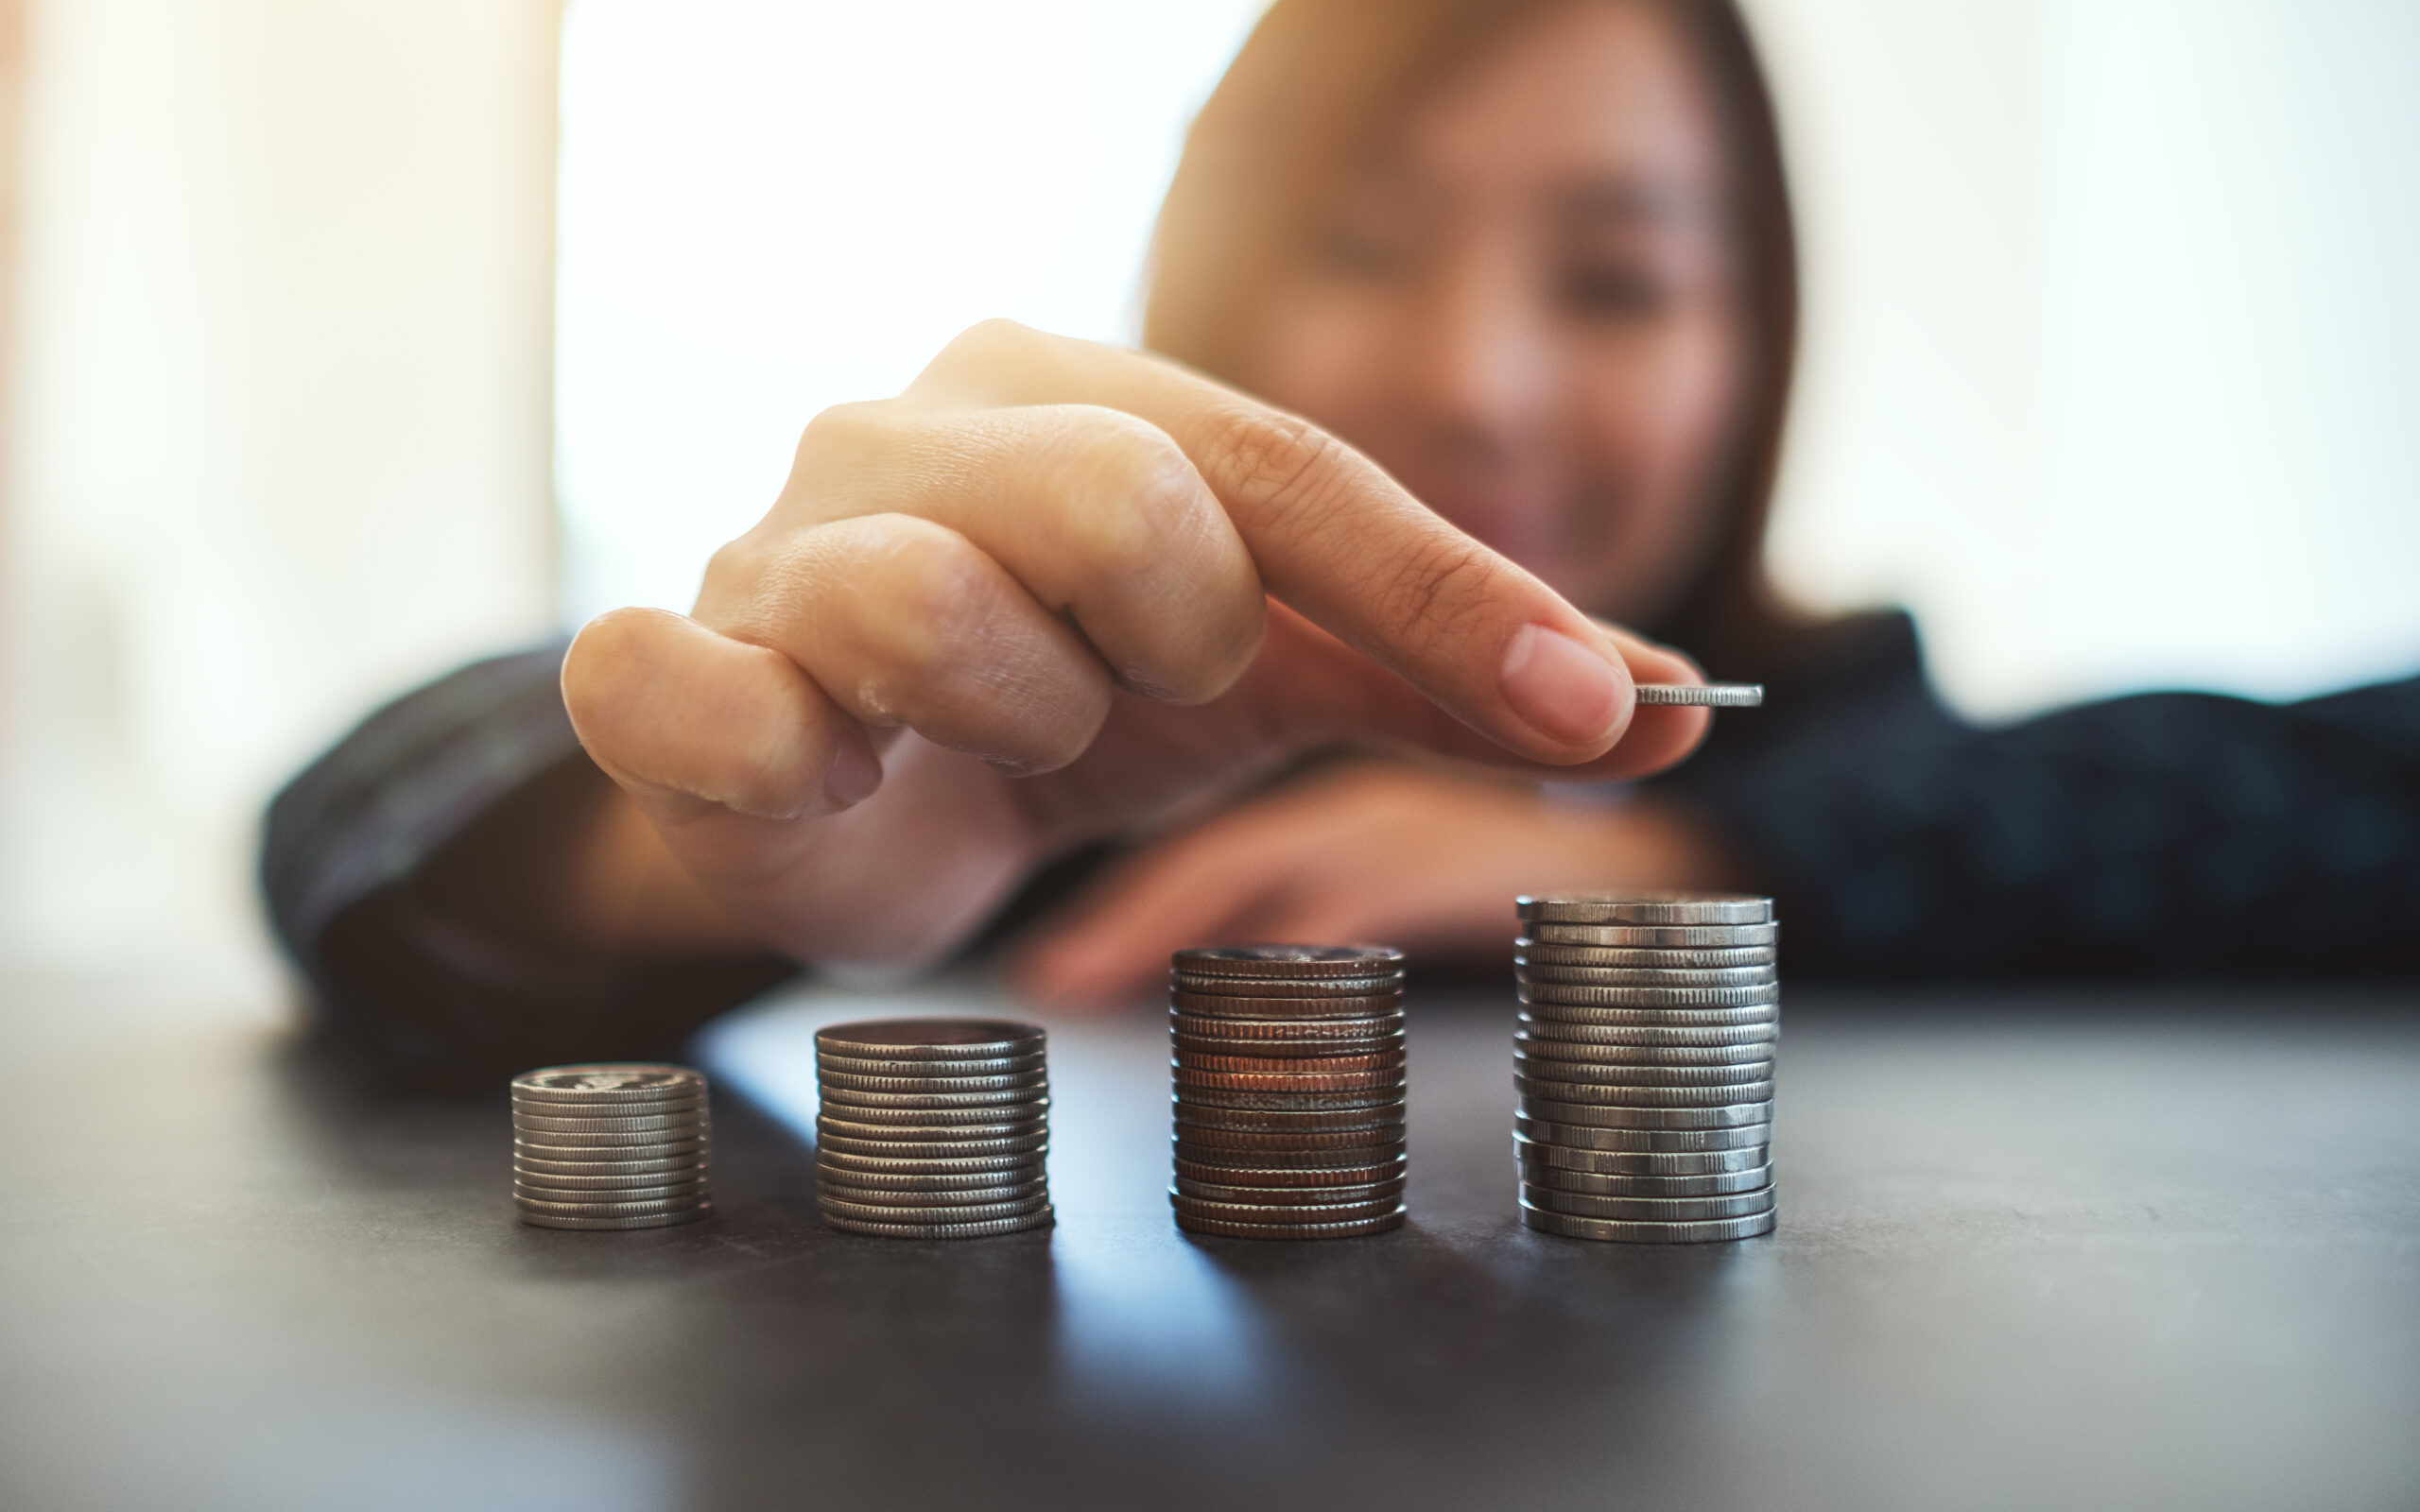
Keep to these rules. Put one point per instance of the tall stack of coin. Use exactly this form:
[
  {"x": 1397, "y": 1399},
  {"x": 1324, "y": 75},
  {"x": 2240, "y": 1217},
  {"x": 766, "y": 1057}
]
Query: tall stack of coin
[
  {"x": 1644, "y": 1065},
  {"x": 620, "y": 1146},
  {"x": 932, "y": 1128},
  {"x": 1290, "y": 1090}
]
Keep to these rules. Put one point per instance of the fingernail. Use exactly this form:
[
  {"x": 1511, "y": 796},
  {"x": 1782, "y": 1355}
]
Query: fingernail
[
  {"x": 1566, "y": 689},
  {"x": 856, "y": 773}
]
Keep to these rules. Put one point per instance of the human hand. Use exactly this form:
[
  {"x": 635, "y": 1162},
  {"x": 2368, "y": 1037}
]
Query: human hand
[{"x": 1050, "y": 590}]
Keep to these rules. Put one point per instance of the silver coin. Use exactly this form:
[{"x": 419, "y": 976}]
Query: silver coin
[
  {"x": 1005, "y": 1119},
  {"x": 1649, "y": 1210},
  {"x": 611, "y": 1147},
  {"x": 1288, "y": 960},
  {"x": 1610, "y": 1140},
  {"x": 1589, "y": 1183},
  {"x": 617, "y": 1196},
  {"x": 1523, "y": 946},
  {"x": 923, "y": 1204},
  {"x": 1657, "y": 936},
  {"x": 1300, "y": 989},
  {"x": 1754, "y": 1053},
  {"x": 1326, "y": 1158},
  {"x": 1384, "y": 1223},
  {"x": 1013, "y": 1097},
  {"x": 1309, "y": 1081},
  {"x": 886, "y": 1212},
  {"x": 1701, "y": 695},
  {"x": 603, "y": 1210},
  {"x": 839, "y": 1177},
  {"x": 636, "y": 1124},
  {"x": 1290, "y": 1031},
  {"x": 1265, "y": 1102},
  {"x": 658, "y": 1220},
  {"x": 1190, "y": 1058},
  {"x": 563, "y": 1181},
  {"x": 1388, "y": 1115},
  {"x": 1041, "y": 1219},
  {"x": 1197, "y": 1049},
  {"x": 1713, "y": 1231},
  {"x": 1245, "y": 1170},
  {"x": 1599, "y": 1095},
  {"x": 917, "y": 1165},
  {"x": 1766, "y": 1031},
  {"x": 1599, "y": 1073},
  {"x": 1648, "y": 906},
  {"x": 931, "y": 1070},
  {"x": 1346, "y": 1017},
  {"x": 930, "y": 1039},
  {"x": 1608, "y": 996},
  {"x": 609, "y": 1082},
  {"x": 1624, "y": 1016},
  {"x": 1532, "y": 1155},
  {"x": 1286, "y": 1212},
  {"x": 1389, "y": 1191},
  {"x": 931, "y": 1149},
  {"x": 1605, "y": 1115},
  {"x": 1528, "y": 971},
  {"x": 685, "y": 1106},
  {"x": 1023, "y": 1082}
]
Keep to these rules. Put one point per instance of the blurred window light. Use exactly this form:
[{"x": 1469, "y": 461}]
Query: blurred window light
[{"x": 768, "y": 207}]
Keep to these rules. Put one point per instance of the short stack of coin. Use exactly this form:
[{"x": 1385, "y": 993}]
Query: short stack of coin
[
  {"x": 1644, "y": 1062},
  {"x": 1290, "y": 1090},
  {"x": 620, "y": 1147},
  {"x": 932, "y": 1128}
]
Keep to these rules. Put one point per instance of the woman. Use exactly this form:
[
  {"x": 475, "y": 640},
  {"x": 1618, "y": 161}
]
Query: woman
[{"x": 1535, "y": 262}]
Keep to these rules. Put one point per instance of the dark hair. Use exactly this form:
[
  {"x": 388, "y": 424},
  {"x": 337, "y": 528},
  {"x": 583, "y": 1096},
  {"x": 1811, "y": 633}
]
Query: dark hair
[{"x": 1315, "y": 83}]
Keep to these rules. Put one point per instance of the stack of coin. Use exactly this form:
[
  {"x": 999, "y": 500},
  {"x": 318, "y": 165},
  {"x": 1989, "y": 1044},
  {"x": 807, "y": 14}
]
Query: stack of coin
[
  {"x": 618, "y": 1147},
  {"x": 932, "y": 1128},
  {"x": 1290, "y": 1090},
  {"x": 1644, "y": 1065}
]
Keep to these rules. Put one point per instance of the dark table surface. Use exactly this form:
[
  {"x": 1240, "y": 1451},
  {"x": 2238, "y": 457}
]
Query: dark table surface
[{"x": 2053, "y": 1249}]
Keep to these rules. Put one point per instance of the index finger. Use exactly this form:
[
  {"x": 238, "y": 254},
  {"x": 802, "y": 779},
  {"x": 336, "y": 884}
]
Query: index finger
[{"x": 1341, "y": 541}]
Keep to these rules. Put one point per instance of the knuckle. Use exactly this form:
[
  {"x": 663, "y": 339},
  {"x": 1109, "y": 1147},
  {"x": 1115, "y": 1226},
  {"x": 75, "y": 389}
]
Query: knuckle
[
  {"x": 1430, "y": 593},
  {"x": 1276, "y": 464}
]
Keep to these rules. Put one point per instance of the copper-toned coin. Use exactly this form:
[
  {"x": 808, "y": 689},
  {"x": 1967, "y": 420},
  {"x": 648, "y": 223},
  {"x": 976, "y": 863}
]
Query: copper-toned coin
[
  {"x": 1532, "y": 1155},
  {"x": 1288, "y": 1176},
  {"x": 1622, "y": 1096},
  {"x": 1289, "y": 1230},
  {"x": 1214, "y": 989},
  {"x": 1758, "y": 1051},
  {"x": 1261, "y": 1101},
  {"x": 1313, "y": 1146},
  {"x": 1305, "y": 1082},
  {"x": 1294, "y": 1212},
  {"x": 1287, "y": 1065},
  {"x": 1387, "y": 1114},
  {"x": 1754, "y": 1135},
  {"x": 1605, "y": 1074},
  {"x": 1595, "y": 1115},
  {"x": 1289, "y": 960},
  {"x": 1349, "y": 1030},
  {"x": 930, "y": 1038},
  {"x": 875, "y": 1066},
  {"x": 1647, "y": 906},
  {"x": 1389, "y": 1190}
]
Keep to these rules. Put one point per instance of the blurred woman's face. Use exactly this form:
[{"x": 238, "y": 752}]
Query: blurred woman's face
[{"x": 1524, "y": 306}]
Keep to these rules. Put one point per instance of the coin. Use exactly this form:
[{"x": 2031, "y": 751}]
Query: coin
[
  {"x": 1210, "y": 1098},
  {"x": 1191, "y": 988},
  {"x": 652, "y": 1146},
  {"x": 1646, "y": 1141},
  {"x": 1592, "y": 996},
  {"x": 1225, "y": 1229},
  {"x": 1000, "y": 1118},
  {"x": 1528, "y": 971},
  {"x": 881, "y": 1066},
  {"x": 610, "y": 1083},
  {"x": 1349, "y": 1032},
  {"x": 1604, "y": 1073},
  {"x": 1649, "y": 1233},
  {"x": 918, "y": 1164},
  {"x": 1312, "y": 1143},
  {"x": 919, "y": 1205},
  {"x": 1200, "y": 1050},
  {"x": 540, "y": 1166},
  {"x": 1600, "y": 1093},
  {"x": 837, "y": 1176},
  {"x": 1615, "y": 1016},
  {"x": 603, "y": 1210},
  {"x": 972, "y": 1212},
  {"x": 660, "y": 1220},
  {"x": 1013, "y": 1097},
  {"x": 1700, "y": 695},
  {"x": 1533, "y": 1156},
  {"x": 568, "y": 1181},
  {"x": 1041, "y": 1219},
  {"x": 666, "y": 1192},
  {"x": 1389, "y": 1191},
  {"x": 1323, "y": 1065},
  {"x": 1524, "y": 946},
  {"x": 1289, "y": 960},
  {"x": 1303, "y": 1084},
  {"x": 1657, "y": 936},
  {"x": 1759, "y": 1052},
  {"x": 1600, "y": 1115},
  {"x": 1284, "y": 1120},
  {"x": 930, "y": 1038},
  {"x": 1294, "y": 1212},
  {"x": 650, "y": 1126},
  {"x": 1021, "y": 1083},
  {"x": 1648, "y": 1209},
  {"x": 1766, "y": 1031},
  {"x": 685, "y": 1106},
  {"x": 1288, "y": 1176},
  {"x": 1588, "y": 1183},
  {"x": 1648, "y": 906},
  {"x": 953, "y": 1149}
]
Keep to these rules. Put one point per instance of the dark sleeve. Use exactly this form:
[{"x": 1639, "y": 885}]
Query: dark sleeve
[
  {"x": 431, "y": 993},
  {"x": 2170, "y": 833}
]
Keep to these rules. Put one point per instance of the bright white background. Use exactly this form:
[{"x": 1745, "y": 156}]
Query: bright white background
[{"x": 2114, "y": 351}]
